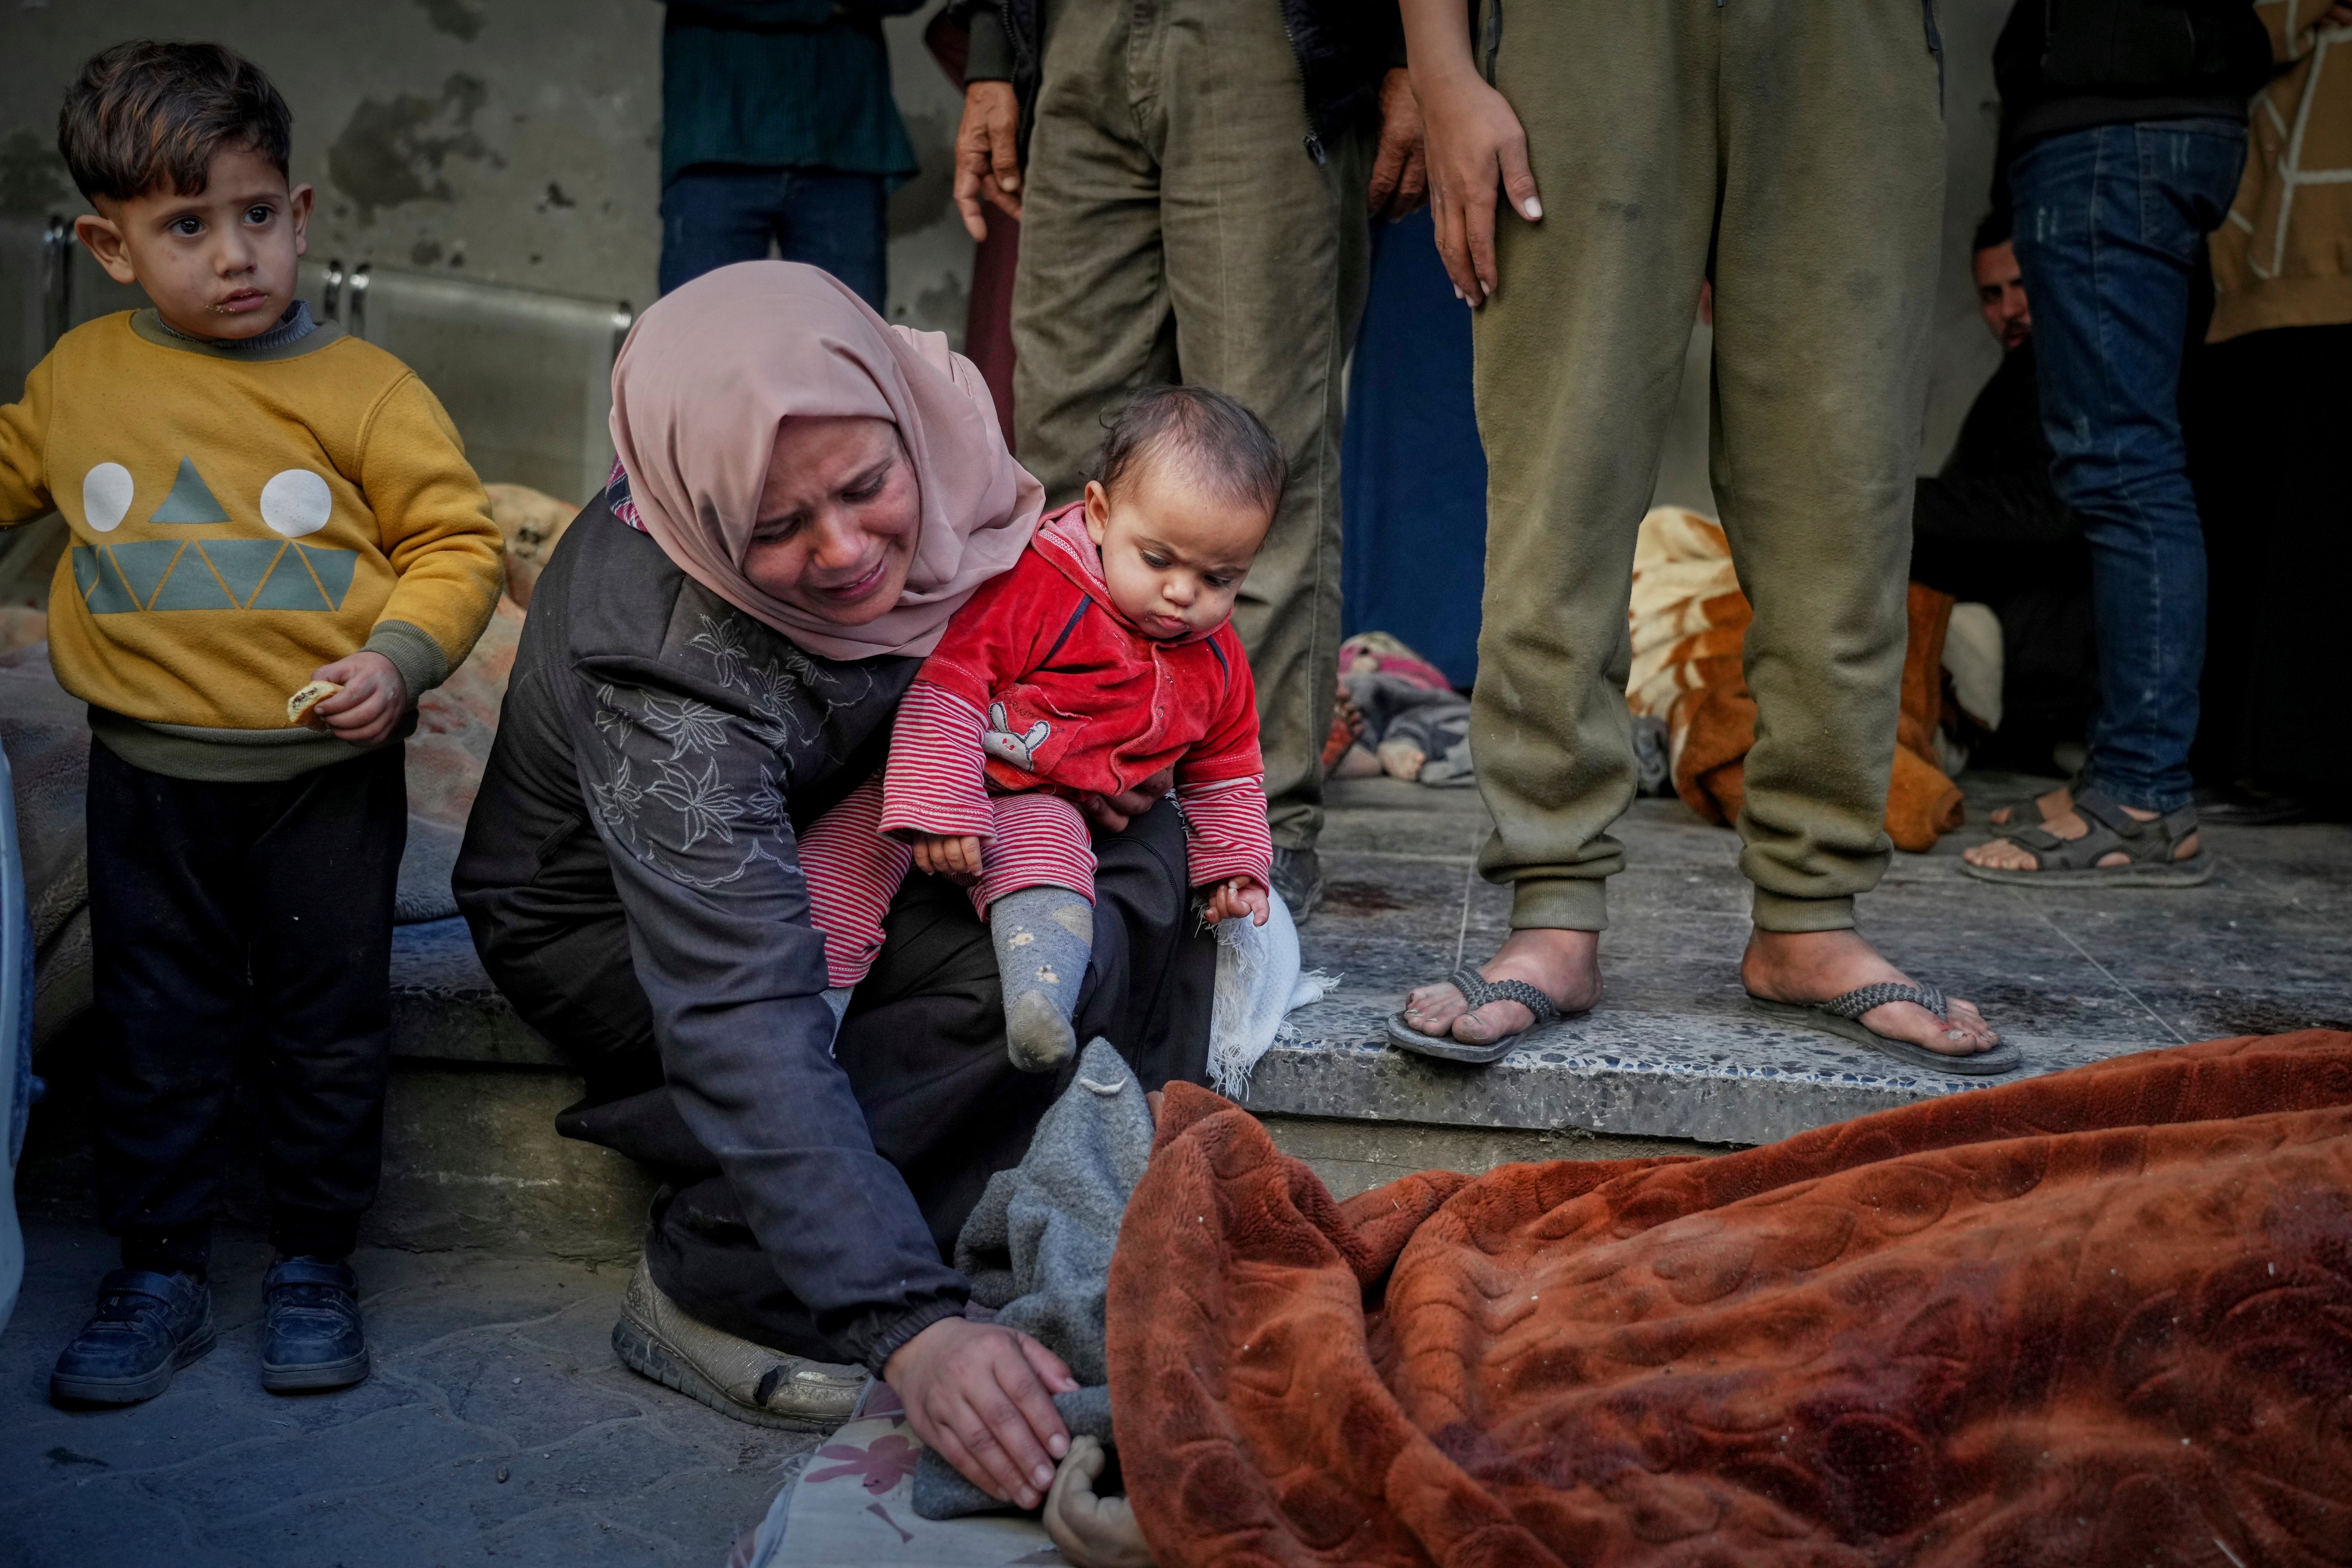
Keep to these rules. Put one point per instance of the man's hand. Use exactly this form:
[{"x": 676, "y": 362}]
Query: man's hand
[
  {"x": 1238, "y": 896},
  {"x": 983, "y": 1397},
  {"x": 1476, "y": 144},
  {"x": 370, "y": 704},
  {"x": 1112, "y": 812},
  {"x": 1401, "y": 168},
  {"x": 954, "y": 856},
  {"x": 988, "y": 155}
]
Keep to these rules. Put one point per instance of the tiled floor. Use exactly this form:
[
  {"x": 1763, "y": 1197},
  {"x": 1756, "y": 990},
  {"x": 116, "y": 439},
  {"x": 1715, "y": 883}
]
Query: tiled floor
[{"x": 2070, "y": 975}]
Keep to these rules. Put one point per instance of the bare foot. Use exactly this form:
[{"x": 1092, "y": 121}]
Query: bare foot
[
  {"x": 1402, "y": 759},
  {"x": 2006, "y": 855},
  {"x": 1814, "y": 966},
  {"x": 2056, "y": 802},
  {"x": 1565, "y": 965}
]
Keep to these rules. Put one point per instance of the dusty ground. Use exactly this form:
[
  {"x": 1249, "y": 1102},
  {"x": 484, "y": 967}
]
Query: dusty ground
[{"x": 496, "y": 1428}]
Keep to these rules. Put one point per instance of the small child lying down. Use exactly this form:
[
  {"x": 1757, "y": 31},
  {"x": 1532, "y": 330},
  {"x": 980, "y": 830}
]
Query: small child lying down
[{"x": 1106, "y": 655}]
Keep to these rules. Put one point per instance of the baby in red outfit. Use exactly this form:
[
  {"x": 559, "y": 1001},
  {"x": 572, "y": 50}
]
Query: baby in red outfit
[{"x": 1106, "y": 655}]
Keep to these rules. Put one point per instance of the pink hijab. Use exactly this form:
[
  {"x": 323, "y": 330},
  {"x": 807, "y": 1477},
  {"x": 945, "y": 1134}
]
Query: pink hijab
[{"x": 708, "y": 373}]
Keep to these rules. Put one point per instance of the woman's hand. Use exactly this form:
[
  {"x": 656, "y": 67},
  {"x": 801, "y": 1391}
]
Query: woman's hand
[
  {"x": 1238, "y": 896},
  {"x": 1475, "y": 142},
  {"x": 983, "y": 1397},
  {"x": 988, "y": 155},
  {"x": 1112, "y": 812},
  {"x": 954, "y": 856},
  {"x": 372, "y": 699}
]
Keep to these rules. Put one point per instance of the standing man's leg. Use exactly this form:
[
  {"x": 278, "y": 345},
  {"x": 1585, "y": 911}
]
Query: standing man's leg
[
  {"x": 1579, "y": 362},
  {"x": 1826, "y": 262},
  {"x": 1637, "y": 117},
  {"x": 840, "y": 223},
  {"x": 1267, "y": 256},
  {"x": 2108, "y": 224},
  {"x": 714, "y": 215},
  {"x": 1090, "y": 312}
]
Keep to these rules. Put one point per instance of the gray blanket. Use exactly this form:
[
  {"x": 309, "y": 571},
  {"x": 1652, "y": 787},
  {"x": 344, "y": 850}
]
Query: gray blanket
[{"x": 1038, "y": 1249}]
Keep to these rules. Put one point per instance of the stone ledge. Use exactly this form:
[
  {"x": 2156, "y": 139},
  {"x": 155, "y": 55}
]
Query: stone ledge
[
  {"x": 1706, "y": 1077},
  {"x": 444, "y": 1009}
]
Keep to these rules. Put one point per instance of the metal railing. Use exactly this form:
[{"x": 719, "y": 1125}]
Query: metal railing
[{"x": 525, "y": 375}]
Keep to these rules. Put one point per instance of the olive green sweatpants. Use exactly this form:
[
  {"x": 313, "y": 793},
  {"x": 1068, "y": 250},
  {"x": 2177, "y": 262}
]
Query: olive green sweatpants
[
  {"x": 1174, "y": 228},
  {"x": 1802, "y": 140}
]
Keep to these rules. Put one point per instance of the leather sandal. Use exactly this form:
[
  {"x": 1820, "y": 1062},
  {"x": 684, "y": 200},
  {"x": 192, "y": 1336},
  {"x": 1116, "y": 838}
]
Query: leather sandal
[
  {"x": 2153, "y": 847},
  {"x": 1842, "y": 1016},
  {"x": 2027, "y": 813},
  {"x": 1477, "y": 991}
]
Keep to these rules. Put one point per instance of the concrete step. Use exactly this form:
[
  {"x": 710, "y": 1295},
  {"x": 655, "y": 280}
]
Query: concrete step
[
  {"x": 2070, "y": 975},
  {"x": 1673, "y": 1063}
]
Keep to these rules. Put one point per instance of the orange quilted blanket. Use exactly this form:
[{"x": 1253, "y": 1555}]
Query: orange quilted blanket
[{"x": 2100, "y": 1317}]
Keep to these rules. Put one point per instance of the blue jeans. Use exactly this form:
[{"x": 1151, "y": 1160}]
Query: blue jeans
[
  {"x": 714, "y": 215},
  {"x": 2108, "y": 223}
]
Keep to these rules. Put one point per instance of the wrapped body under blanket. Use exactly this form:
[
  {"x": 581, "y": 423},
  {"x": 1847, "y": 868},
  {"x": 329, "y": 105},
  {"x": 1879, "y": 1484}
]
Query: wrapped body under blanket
[{"x": 2099, "y": 1317}]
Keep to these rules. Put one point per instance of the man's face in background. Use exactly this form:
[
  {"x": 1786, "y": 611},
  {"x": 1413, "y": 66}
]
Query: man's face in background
[{"x": 2001, "y": 295}]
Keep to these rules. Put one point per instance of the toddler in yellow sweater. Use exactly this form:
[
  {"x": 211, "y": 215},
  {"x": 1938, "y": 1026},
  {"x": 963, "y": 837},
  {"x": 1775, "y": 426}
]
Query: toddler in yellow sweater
[{"x": 256, "y": 501}]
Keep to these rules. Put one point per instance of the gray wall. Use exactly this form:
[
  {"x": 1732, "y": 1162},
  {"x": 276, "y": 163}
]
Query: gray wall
[{"x": 511, "y": 142}]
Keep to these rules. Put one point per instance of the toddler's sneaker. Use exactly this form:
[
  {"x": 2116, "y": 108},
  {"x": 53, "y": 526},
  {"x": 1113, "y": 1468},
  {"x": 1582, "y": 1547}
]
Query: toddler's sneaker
[
  {"x": 147, "y": 1327},
  {"x": 312, "y": 1337}
]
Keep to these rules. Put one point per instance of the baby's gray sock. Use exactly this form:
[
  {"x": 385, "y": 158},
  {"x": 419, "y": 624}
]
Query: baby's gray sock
[{"x": 1043, "y": 937}]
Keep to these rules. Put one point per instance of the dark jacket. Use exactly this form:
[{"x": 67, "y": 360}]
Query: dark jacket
[
  {"x": 2000, "y": 463},
  {"x": 1344, "y": 47},
  {"x": 784, "y": 84},
  {"x": 657, "y": 750},
  {"x": 2069, "y": 65}
]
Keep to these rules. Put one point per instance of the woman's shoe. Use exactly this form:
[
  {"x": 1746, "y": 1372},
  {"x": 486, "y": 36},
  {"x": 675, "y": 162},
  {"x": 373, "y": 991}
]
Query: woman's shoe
[{"x": 733, "y": 1376}]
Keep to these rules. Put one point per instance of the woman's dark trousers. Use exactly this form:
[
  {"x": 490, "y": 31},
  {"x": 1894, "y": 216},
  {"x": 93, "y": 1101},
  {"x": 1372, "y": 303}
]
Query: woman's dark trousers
[{"x": 924, "y": 1049}]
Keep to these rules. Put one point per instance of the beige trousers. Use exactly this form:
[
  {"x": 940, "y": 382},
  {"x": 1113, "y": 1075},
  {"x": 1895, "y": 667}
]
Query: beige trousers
[
  {"x": 1801, "y": 140},
  {"x": 1175, "y": 229}
]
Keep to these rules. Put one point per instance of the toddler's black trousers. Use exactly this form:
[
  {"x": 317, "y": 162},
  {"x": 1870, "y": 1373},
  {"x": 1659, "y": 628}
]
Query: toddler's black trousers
[{"x": 229, "y": 918}]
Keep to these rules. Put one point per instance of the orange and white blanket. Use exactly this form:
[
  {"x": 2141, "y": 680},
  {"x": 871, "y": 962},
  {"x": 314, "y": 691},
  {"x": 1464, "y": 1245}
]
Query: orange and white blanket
[{"x": 1689, "y": 620}]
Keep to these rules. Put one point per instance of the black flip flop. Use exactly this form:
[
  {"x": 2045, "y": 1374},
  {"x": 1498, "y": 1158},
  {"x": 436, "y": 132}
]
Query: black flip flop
[
  {"x": 1477, "y": 991},
  {"x": 1842, "y": 1016}
]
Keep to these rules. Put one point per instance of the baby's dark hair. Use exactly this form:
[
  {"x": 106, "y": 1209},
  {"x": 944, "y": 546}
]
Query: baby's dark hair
[
  {"x": 1222, "y": 445},
  {"x": 143, "y": 115}
]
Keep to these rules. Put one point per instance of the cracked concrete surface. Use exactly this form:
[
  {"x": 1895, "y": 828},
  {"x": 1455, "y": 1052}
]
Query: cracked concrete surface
[{"x": 497, "y": 1428}]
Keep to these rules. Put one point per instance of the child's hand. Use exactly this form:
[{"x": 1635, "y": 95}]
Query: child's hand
[
  {"x": 946, "y": 855},
  {"x": 1238, "y": 896},
  {"x": 370, "y": 704}
]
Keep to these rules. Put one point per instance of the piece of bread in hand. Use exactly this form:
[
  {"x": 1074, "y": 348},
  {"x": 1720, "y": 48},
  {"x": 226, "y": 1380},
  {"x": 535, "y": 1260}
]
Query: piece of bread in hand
[{"x": 300, "y": 705}]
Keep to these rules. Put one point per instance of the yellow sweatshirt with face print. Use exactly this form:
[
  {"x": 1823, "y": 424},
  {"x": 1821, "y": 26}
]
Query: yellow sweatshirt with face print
[{"x": 241, "y": 517}]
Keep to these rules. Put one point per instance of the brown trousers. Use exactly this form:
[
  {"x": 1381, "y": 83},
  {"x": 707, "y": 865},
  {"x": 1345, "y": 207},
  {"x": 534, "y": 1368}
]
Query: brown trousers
[
  {"x": 1801, "y": 142},
  {"x": 1174, "y": 229}
]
